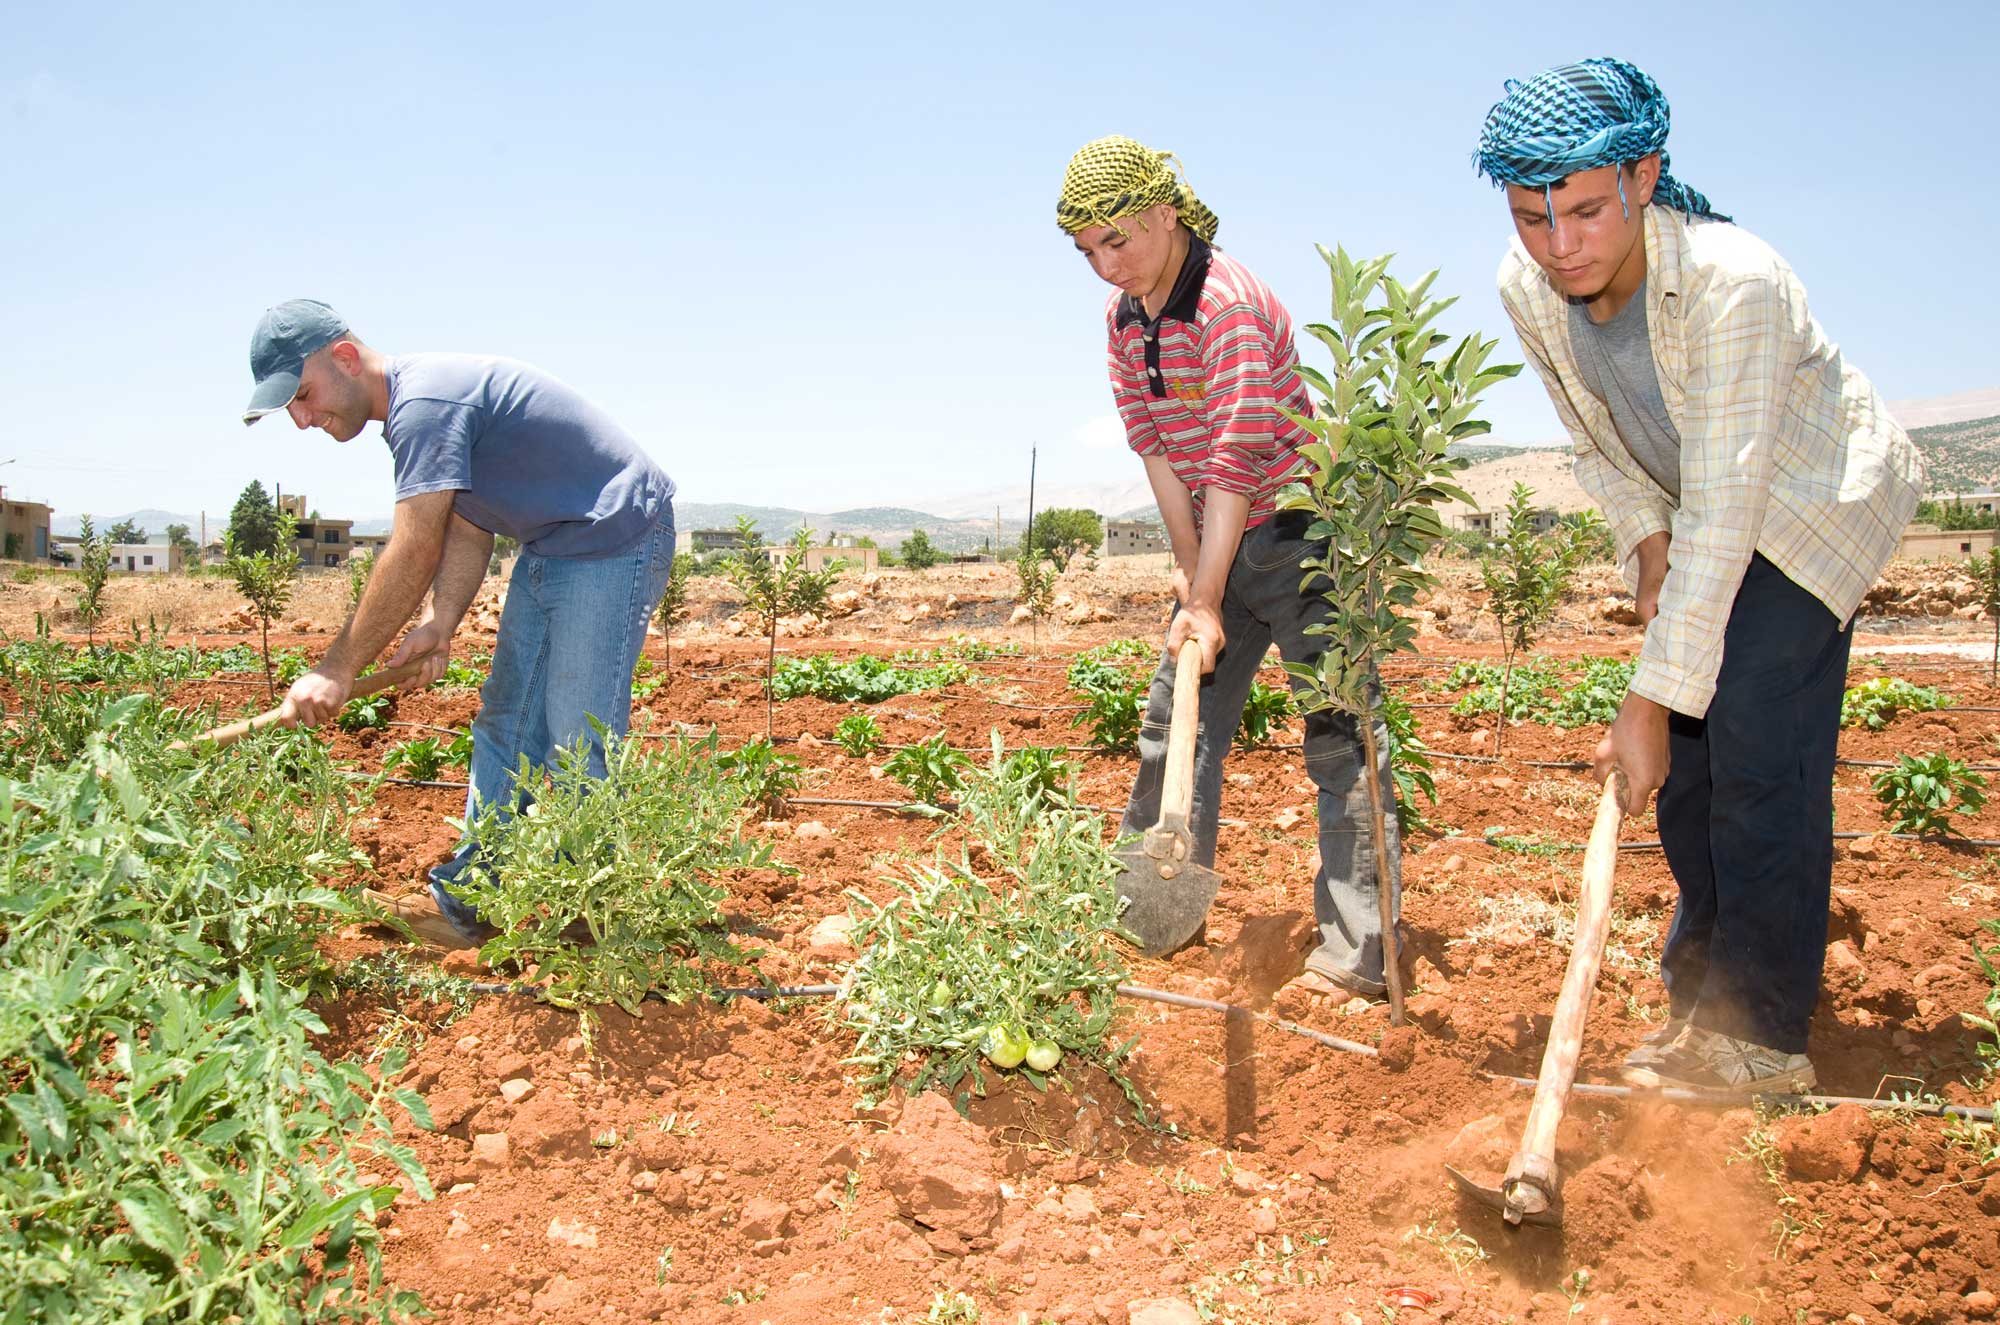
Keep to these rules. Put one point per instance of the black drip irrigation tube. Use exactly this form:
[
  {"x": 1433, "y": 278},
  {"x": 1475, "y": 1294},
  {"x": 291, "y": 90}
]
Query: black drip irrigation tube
[
  {"x": 1129, "y": 991},
  {"x": 1671, "y": 1095},
  {"x": 1675, "y": 1095}
]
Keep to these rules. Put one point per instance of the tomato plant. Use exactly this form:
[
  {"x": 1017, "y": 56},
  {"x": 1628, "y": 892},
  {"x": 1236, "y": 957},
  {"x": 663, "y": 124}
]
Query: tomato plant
[
  {"x": 1024, "y": 943},
  {"x": 613, "y": 887}
]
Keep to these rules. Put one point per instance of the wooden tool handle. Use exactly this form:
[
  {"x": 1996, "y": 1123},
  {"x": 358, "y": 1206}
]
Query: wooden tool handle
[
  {"x": 231, "y": 732},
  {"x": 1177, "y": 791},
  {"x": 1535, "y": 1161}
]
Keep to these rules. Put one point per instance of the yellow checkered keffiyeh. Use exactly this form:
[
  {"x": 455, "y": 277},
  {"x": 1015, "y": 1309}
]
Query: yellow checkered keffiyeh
[{"x": 1115, "y": 177}]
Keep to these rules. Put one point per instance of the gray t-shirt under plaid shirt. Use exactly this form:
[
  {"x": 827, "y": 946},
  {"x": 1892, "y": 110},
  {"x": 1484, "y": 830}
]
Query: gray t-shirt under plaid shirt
[{"x": 1616, "y": 361}]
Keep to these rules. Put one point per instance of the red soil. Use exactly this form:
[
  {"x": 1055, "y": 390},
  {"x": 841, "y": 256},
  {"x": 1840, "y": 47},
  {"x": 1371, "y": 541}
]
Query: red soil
[{"x": 708, "y": 1163}]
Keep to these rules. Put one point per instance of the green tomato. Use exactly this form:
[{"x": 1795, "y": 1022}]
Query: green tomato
[
  {"x": 1043, "y": 1055},
  {"x": 1005, "y": 1045},
  {"x": 940, "y": 995}
]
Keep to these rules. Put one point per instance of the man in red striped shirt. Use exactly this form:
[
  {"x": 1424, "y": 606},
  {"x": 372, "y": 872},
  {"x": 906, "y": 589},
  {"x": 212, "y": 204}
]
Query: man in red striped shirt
[{"x": 1202, "y": 369}]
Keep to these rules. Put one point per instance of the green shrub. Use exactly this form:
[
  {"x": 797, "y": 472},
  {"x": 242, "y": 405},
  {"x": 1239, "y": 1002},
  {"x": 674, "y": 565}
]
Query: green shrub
[
  {"x": 1024, "y": 944},
  {"x": 611, "y": 888},
  {"x": 1264, "y": 708},
  {"x": 858, "y": 734},
  {"x": 173, "y": 1147},
  {"x": 1409, "y": 764},
  {"x": 767, "y": 776},
  {"x": 1875, "y": 704},
  {"x": 863, "y": 680},
  {"x": 931, "y": 769},
  {"x": 1920, "y": 793},
  {"x": 1115, "y": 695},
  {"x": 1040, "y": 772}
]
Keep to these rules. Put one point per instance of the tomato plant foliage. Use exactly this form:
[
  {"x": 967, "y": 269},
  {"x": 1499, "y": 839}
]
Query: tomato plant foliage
[
  {"x": 172, "y": 1147},
  {"x": 1016, "y": 933},
  {"x": 613, "y": 888}
]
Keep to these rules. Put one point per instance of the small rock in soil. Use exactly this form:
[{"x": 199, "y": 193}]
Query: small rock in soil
[
  {"x": 1078, "y": 1205},
  {"x": 1516, "y": 1030},
  {"x": 1483, "y": 1146},
  {"x": 460, "y": 961},
  {"x": 572, "y": 1233},
  {"x": 516, "y": 1090},
  {"x": 1980, "y": 1305},
  {"x": 1263, "y": 1221},
  {"x": 490, "y": 1150},
  {"x": 811, "y": 830},
  {"x": 1433, "y": 1011},
  {"x": 830, "y": 938},
  {"x": 1840, "y": 955},
  {"x": 1941, "y": 971},
  {"x": 763, "y": 1218},
  {"x": 1827, "y": 1147},
  {"x": 1162, "y": 1311},
  {"x": 1865, "y": 848},
  {"x": 560, "y": 1294}
]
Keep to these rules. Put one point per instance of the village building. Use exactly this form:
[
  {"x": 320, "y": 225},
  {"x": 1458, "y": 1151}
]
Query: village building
[
  {"x": 24, "y": 529},
  {"x": 1129, "y": 538}
]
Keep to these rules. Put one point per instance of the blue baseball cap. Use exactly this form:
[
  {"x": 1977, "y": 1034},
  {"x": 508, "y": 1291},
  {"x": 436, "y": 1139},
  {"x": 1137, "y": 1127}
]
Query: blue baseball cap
[{"x": 285, "y": 335}]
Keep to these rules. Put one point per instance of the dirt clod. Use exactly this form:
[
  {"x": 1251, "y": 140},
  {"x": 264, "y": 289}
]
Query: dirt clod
[
  {"x": 938, "y": 1168},
  {"x": 1828, "y": 1147}
]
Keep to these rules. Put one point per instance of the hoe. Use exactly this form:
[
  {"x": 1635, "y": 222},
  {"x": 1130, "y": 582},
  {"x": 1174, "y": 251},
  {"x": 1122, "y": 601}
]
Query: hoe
[
  {"x": 1531, "y": 1192},
  {"x": 1166, "y": 894}
]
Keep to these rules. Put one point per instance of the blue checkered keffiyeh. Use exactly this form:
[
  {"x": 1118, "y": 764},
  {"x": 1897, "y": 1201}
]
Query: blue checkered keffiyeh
[{"x": 1599, "y": 112}]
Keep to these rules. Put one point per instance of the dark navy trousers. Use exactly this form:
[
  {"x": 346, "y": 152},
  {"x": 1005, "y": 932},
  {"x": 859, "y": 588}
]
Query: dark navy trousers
[{"x": 1746, "y": 817}]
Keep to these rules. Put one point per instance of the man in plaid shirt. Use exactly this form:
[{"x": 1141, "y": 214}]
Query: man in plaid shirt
[
  {"x": 1202, "y": 369},
  {"x": 1755, "y": 486}
]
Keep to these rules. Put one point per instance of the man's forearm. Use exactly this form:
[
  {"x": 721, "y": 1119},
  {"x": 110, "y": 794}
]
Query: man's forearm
[
  {"x": 1223, "y": 516},
  {"x": 467, "y": 551},
  {"x": 394, "y": 590}
]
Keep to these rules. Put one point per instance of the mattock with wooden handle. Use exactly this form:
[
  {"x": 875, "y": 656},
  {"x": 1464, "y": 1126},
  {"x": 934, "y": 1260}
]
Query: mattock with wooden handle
[
  {"x": 283, "y": 715},
  {"x": 1531, "y": 1192}
]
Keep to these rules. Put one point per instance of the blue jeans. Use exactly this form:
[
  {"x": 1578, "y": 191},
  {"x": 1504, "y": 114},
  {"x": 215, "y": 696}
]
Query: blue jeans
[
  {"x": 570, "y": 636},
  {"x": 1261, "y": 606}
]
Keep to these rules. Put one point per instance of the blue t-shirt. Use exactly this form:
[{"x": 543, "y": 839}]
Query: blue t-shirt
[{"x": 527, "y": 455}]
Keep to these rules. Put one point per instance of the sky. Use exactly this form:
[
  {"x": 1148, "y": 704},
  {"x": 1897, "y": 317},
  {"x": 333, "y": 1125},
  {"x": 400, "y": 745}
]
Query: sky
[{"x": 807, "y": 254}]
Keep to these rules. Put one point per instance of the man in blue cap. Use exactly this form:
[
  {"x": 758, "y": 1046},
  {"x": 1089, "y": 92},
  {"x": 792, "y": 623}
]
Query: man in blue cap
[
  {"x": 484, "y": 446},
  {"x": 1755, "y": 486}
]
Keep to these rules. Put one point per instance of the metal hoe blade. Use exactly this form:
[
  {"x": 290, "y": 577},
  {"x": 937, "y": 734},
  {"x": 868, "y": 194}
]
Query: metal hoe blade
[
  {"x": 1522, "y": 1201},
  {"x": 1165, "y": 901}
]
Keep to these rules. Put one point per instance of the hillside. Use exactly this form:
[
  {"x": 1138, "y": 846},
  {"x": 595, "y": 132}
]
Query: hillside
[
  {"x": 887, "y": 525},
  {"x": 1963, "y": 457}
]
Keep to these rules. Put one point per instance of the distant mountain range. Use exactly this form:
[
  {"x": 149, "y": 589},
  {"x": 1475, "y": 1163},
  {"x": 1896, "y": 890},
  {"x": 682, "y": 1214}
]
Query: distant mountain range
[{"x": 1958, "y": 434}]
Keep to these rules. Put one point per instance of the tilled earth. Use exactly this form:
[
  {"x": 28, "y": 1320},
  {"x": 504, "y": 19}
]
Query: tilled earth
[{"x": 709, "y": 1163}]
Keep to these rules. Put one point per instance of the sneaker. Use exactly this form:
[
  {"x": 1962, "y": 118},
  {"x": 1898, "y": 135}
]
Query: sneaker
[
  {"x": 1643, "y": 1063},
  {"x": 1721, "y": 1066},
  {"x": 465, "y": 923}
]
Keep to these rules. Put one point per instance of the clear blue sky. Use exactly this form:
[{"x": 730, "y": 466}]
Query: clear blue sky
[{"x": 806, "y": 253}]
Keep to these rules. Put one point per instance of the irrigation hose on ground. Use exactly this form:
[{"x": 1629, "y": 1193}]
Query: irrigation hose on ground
[{"x": 1668, "y": 1095}]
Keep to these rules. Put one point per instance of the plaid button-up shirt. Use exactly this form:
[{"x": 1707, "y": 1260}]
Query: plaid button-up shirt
[{"x": 1786, "y": 449}]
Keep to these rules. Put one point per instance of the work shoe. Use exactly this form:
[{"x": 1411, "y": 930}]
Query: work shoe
[
  {"x": 1642, "y": 1064},
  {"x": 1725, "y": 1067}
]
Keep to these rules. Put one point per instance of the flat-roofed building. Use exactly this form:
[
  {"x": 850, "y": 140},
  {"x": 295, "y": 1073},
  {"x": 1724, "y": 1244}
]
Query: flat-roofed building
[{"x": 1126, "y": 538}]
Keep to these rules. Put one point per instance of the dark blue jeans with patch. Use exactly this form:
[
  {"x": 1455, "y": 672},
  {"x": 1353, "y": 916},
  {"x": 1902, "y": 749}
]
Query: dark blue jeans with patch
[
  {"x": 1746, "y": 817},
  {"x": 1263, "y": 605}
]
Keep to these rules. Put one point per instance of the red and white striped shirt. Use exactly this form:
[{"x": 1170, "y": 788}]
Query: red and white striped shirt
[{"x": 1203, "y": 384}]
